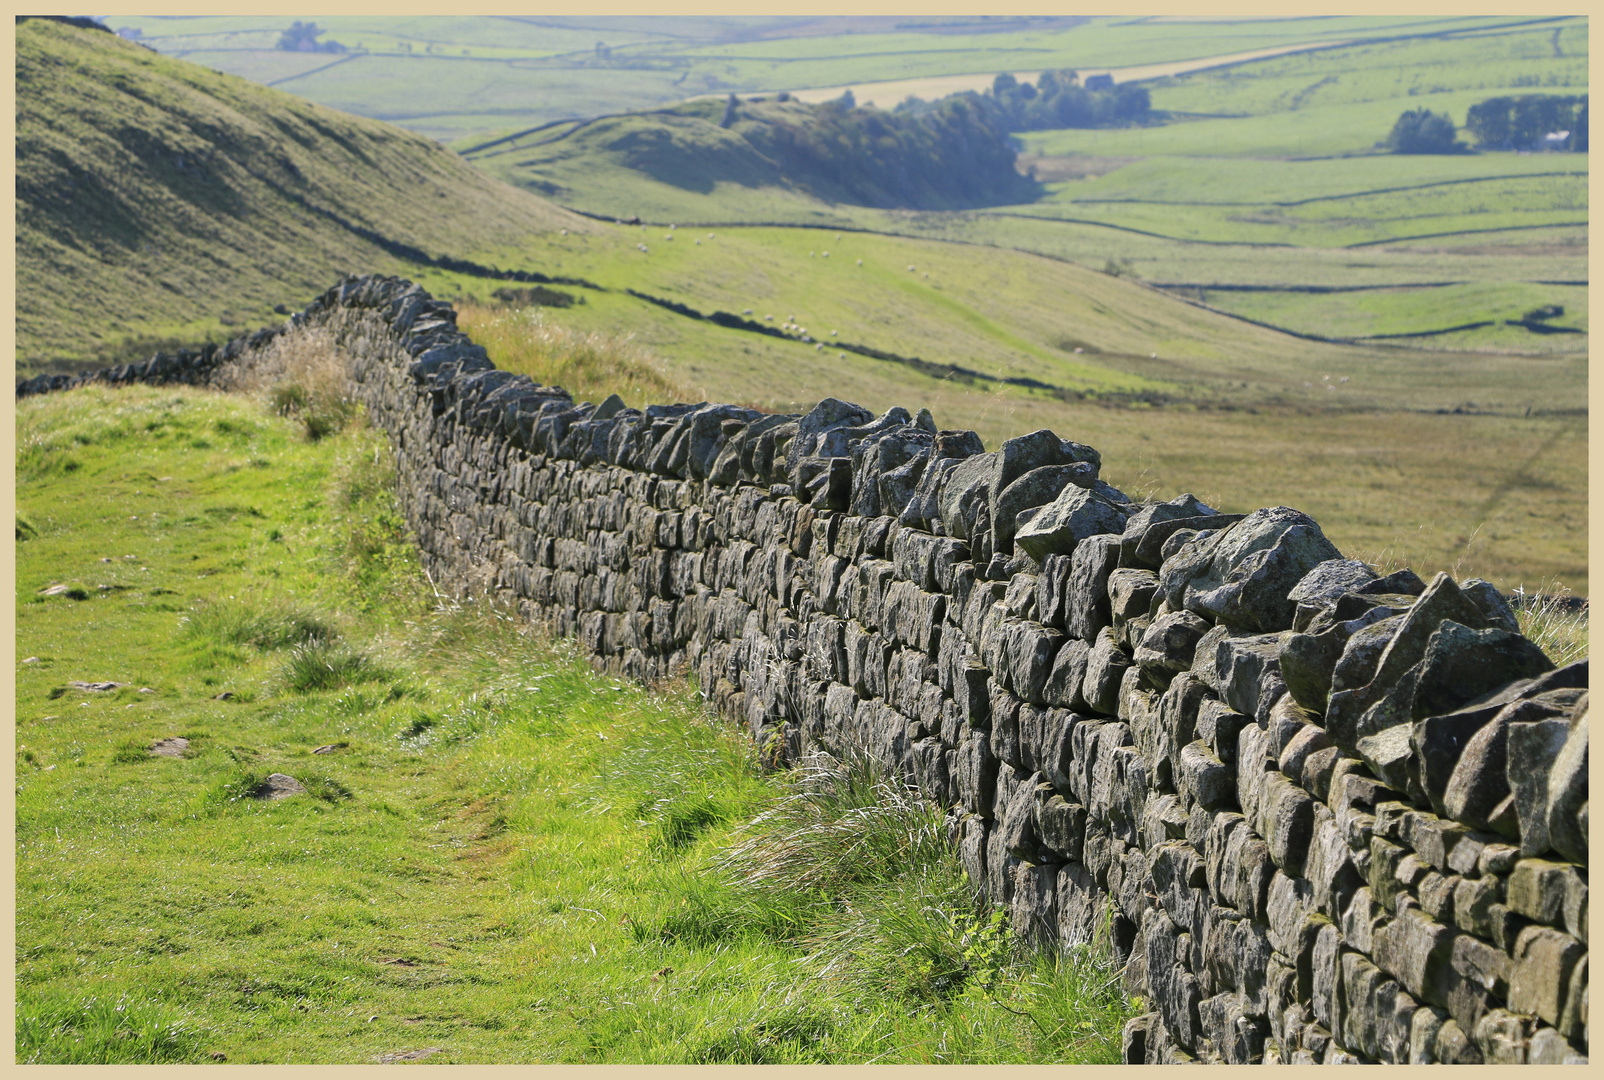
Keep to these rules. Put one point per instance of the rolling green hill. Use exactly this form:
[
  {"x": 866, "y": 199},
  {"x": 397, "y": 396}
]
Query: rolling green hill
[
  {"x": 157, "y": 199},
  {"x": 1431, "y": 459},
  {"x": 1262, "y": 194},
  {"x": 829, "y": 153}
]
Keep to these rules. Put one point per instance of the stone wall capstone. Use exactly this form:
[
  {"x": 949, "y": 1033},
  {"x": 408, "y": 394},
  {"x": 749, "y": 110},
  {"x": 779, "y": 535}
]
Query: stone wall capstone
[{"x": 1318, "y": 814}]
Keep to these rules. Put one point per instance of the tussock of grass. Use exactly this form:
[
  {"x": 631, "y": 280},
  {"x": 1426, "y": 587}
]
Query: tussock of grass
[
  {"x": 230, "y": 622},
  {"x": 1555, "y": 622},
  {"x": 846, "y": 827},
  {"x": 302, "y": 376},
  {"x": 324, "y": 788},
  {"x": 130, "y": 752},
  {"x": 318, "y": 665},
  {"x": 851, "y": 873},
  {"x": 588, "y": 364}
]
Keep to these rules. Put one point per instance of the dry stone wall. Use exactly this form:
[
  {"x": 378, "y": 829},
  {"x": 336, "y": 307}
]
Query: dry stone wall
[{"x": 1319, "y": 814}]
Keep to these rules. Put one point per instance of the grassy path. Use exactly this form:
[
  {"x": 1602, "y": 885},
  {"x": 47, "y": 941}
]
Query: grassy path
[{"x": 498, "y": 855}]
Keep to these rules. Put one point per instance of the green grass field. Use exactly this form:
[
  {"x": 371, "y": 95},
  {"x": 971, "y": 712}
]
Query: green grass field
[
  {"x": 499, "y": 856},
  {"x": 484, "y": 74},
  {"x": 1548, "y": 55}
]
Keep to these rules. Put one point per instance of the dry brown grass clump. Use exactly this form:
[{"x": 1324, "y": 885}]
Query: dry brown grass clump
[
  {"x": 301, "y": 375},
  {"x": 1555, "y": 621},
  {"x": 588, "y": 364}
]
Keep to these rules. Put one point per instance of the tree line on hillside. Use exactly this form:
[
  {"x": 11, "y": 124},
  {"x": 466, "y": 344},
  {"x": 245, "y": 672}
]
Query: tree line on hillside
[
  {"x": 929, "y": 155},
  {"x": 951, "y": 155},
  {"x": 1056, "y": 100},
  {"x": 1526, "y": 122}
]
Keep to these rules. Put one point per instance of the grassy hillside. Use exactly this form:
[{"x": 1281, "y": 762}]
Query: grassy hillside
[
  {"x": 157, "y": 199},
  {"x": 813, "y": 154},
  {"x": 456, "y": 77},
  {"x": 499, "y": 855}
]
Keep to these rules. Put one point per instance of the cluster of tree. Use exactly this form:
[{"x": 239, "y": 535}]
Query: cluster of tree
[
  {"x": 1525, "y": 122},
  {"x": 951, "y": 155},
  {"x": 303, "y": 37},
  {"x": 1056, "y": 100},
  {"x": 1528, "y": 122},
  {"x": 1421, "y": 131}
]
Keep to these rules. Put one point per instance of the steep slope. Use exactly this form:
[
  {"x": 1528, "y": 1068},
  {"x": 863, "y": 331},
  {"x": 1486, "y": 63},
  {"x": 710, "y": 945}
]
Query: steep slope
[
  {"x": 154, "y": 194},
  {"x": 763, "y": 151}
]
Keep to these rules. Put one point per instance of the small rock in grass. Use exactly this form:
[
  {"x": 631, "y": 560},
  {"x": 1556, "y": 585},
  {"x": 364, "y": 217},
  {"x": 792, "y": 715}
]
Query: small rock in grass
[
  {"x": 330, "y": 748},
  {"x": 279, "y": 786},
  {"x": 409, "y": 1055},
  {"x": 173, "y": 747},
  {"x": 96, "y": 686}
]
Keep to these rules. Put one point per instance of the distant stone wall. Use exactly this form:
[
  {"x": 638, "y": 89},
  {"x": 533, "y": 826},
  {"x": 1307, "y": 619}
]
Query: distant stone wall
[{"x": 1320, "y": 815}]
